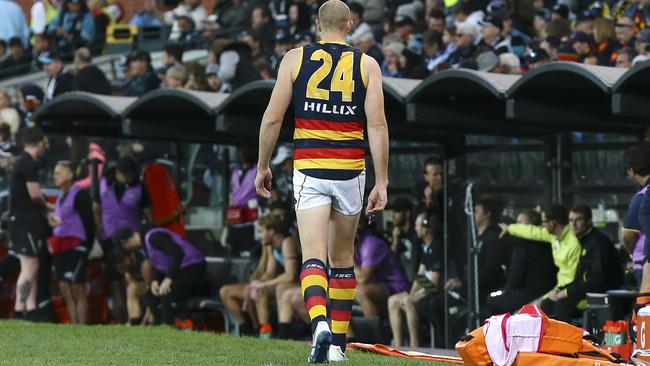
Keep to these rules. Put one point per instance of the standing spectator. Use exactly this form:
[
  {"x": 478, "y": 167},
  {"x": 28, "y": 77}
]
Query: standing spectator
[
  {"x": 73, "y": 26},
  {"x": 556, "y": 232},
  {"x": 625, "y": 29},
  {"x": 60, "y": 80},
  {"x": 430, "y": 271},
  {"x": 429, "y": 191},
  {"x": 19, "y": 60},
  {"x": 598, "y": 270},
  {"x": 625, "y": 57},
  {"x": 71, "y": 240},
  {"x": 378, "y": 272},
  {"x": 236, "y": 66},
  {"x": 404, "y": 240},
  {"x": 283, "y": 268},
  {"x": 178, "y": 268},
  {"x": 148, "y": 16},
  {"x": 359, "y": 25},
  {"x": 531, "y": 272},
  {"x": 262, "y": 23},
  {"x": 637, "y": 163},
  {"x": 28, "y": 227},
  {"x": 141, "y": 78},
  {"x": 13, "y": 22},
  {"x": 42, "y": 12},
  {"x": 366, "y": 43},
  {"x": 190, "y": 8},
  {"x": 89, "y": 78}
]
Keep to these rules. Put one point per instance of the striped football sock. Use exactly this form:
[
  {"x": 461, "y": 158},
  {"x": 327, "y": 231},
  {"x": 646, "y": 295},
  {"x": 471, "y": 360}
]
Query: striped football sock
[
  {"x": 313, "y": 281},
  {"x": 343, "y": 285}
]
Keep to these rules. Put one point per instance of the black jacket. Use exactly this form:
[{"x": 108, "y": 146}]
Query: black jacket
[
  {"x": 531, "y": 267},
  {"x": 91, "y": 79},
  {"x": 599, "y": 268},
  {"x": 493, "y": 257},
  {"x": 62, "y": 84}
]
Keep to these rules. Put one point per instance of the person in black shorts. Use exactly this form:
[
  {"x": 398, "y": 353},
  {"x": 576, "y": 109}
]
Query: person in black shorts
[
  {"x": 28, "y": 227},
  {"x": 72, "y": 238},
  {"x": 130, "y": 260}
]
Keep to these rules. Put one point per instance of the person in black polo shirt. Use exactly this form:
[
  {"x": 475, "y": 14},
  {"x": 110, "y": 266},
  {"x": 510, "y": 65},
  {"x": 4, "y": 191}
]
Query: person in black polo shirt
[{"x": 28, "y": 228}]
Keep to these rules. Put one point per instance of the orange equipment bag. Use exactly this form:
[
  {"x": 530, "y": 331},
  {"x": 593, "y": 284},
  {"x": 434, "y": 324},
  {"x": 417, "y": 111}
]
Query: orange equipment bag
[
  {"x": 558, "y": 338},
  {"x": 544, "y": 359}
]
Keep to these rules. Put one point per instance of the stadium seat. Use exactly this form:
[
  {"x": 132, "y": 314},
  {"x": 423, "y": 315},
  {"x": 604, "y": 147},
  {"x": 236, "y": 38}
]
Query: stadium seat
[
  {"x": 153, "y": 39},
  {"x": 220, "y": 272},
  {"x": 120, "y": 38}
]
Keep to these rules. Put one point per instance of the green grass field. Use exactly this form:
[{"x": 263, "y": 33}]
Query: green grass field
[{"x": 23, "y": 343}]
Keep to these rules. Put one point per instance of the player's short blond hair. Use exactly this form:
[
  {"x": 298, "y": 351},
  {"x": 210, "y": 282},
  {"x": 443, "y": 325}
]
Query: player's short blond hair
[{"x": 334, "y": 15}]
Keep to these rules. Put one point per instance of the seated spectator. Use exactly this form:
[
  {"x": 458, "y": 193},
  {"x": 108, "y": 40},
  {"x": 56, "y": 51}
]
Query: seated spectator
[
  {"x": 30, "y": 97},
  {"x": 11, "y": 118},
  {"x": 625, "y": 57},
  {"x": 429, "y": 278},
  {"x": 72, "y": 237},
  {"x": 378, "y": 272},
  {"x": 19, "y": 60},
  {"x": 148, "y": 16},
  {"x": 42, "y": 43},
  {"x": 599, "y": 269},
  {"x": 605, "y": 37},
  {"x": 509, "y": 64},
  {"x": 196, "y": 79},
  {"x": 5, "y": 100},
  {"x": 531, "y": 272},
  {"x": 283, "y": 43},
  {"x": 188, "y": 37},
  {"x": 263, "y": 25},
  {"x": 366, "y": 43},
  {"x": 433, "y": 54},
  {"x": 392, "y": 65},
  {"x": 88, "y": 77},
  {"x": 299, "y": 19},
  {"x": 140, "y": 76},
  {"x": 253, "y": 39},
  {"x": 264, "y": 68},
  {"x": 60, "y": 80},
  {"x": 211, "y": 73},
  {"x": 73, "y": 27},
  {"x": 236, "y": 66},
  {"x": 465, "y": 37},
  {"x": 190, "y": 8},
  {"x": 625, "y": 29},
  {"x": 175, "y": 77},
  {"x": 178, "y": 268},
  {"x": 491, "y": 30},
  {"x": 641, "y": 42},
  {"x": 637, "y": 162},
  {"x": 536, "y": 58},
  {"x": 404, "y": 240},
  {"x": 172, "y": 55},
  {"x": 564, "y": 244},
  {"x": 359, "y": 25},
  {"x": 236, "y": 15},
  {"x": 404, "y": 27},
  {"x": 130, "y": 260}
]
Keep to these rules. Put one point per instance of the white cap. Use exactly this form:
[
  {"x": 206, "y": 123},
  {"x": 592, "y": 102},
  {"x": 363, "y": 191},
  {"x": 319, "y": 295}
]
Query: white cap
[{"x": 281, "y": 155}]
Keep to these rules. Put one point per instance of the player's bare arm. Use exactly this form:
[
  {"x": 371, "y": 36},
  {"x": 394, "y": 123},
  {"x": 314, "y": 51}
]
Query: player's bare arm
[
  {"x": 377, "y": 135},
  {"x": 272, "y": 121}
]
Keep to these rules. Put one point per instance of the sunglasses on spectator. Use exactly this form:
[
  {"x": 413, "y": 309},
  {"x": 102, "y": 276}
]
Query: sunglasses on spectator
[{"x": 623, "y": 25}]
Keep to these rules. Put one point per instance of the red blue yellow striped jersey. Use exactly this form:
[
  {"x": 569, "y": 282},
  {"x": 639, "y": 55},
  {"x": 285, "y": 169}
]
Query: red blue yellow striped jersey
[{"x": 329, "y": 92}]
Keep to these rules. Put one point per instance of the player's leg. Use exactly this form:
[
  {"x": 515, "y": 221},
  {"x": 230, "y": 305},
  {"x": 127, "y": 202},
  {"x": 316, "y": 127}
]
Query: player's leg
[
  {"x": 262, "y": 306},
  {"x": 133, "y": 307},
  {"x": 233, "y": 296},
  {"x": 26, "y": 284},
  {"x": 347, "y": 203},
  {"x": 395, "y": 316},
  {"x": 64, "y": 287}
]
